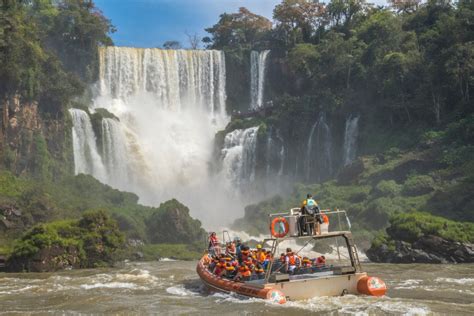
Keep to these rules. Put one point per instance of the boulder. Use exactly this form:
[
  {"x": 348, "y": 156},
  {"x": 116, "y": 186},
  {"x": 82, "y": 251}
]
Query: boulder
[{"x": 427, "y": 249}]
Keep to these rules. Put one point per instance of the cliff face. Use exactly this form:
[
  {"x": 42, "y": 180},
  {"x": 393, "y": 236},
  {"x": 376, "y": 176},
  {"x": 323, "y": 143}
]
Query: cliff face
[{"x": 32, "y": 142}]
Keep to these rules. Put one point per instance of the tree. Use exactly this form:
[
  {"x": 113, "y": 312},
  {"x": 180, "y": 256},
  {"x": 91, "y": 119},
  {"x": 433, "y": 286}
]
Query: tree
[
  {"x": 299, "y": 19},
  {"x": 193, "y": 40},
  {"x": 78, "y": 30},
  {"x": 172, "y": 45},
  {"x": 239, "y": 30}
]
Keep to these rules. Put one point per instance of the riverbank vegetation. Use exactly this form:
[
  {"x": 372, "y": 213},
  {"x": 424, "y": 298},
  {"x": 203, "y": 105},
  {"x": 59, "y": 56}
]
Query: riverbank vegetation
[{"x": 405, "y": 71}]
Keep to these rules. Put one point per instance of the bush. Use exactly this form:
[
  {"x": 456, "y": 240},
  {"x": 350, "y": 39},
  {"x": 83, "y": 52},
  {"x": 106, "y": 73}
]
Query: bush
[
  {"x": 418, "y": 185},
  {"x": 96, "y": 238},
  {"x": 378, "y": 212},
  {"x": 388, "y": 188},
  {"x": 411, "y": 226}
]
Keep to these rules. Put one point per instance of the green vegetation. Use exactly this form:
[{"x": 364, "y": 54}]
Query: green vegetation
[
  {"x": 411, "y": 226},
  {"x": 89, "y": 242},
  {"x": 74, "y": 196},
  {"x": 377, "y": 188}
]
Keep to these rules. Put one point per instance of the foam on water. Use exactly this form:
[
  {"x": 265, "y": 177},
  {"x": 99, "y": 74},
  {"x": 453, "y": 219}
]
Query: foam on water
[
  {"x": 179, "y": 290},
  {"x": 113, "y": 285},
  {"x": 359, "y": 305},
  {"x": 462, "y": 281}
]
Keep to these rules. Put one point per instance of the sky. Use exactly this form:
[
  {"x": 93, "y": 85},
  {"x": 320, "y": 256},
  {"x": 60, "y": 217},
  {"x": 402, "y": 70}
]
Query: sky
[{"x": 150, "y": 23}]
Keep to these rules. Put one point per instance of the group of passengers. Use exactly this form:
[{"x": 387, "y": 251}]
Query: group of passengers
[
  {"x": 240, "y": 263},
  {"x": 292, "y": 263}
]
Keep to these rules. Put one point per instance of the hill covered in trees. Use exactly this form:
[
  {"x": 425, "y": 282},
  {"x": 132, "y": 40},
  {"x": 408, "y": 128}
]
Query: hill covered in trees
[{"x": 406, "y": 72}]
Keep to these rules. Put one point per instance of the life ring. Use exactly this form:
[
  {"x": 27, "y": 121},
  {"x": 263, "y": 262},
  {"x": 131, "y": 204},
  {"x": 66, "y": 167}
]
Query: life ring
[{"x": 279, "y": 227}]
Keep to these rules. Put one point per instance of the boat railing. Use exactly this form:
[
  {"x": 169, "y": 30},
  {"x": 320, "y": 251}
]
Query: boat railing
[{"x": 337, "y": 220}]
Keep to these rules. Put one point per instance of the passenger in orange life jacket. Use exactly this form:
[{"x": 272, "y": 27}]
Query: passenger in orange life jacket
[
  {"x": 220, "y": 269},
  {"x": 213, "y": 246},
  {"x": 244, "y": 273},
  {"x": 230, "y": 271},
  {"x": 292, "y": 262}
]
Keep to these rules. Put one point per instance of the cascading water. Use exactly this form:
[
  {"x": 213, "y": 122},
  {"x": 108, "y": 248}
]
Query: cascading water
[
  {"x": 350, "y": 139},
  {"x": 257, "y": 77},
  {"x": 170, "y": 104},
  {"x": 319, "y": 151},
  {"x": 275, "y": 154},
  {"x": 115, "y": 154},
  {"x": 86, "y": 156},
  {"x": 239, "y": 157}
]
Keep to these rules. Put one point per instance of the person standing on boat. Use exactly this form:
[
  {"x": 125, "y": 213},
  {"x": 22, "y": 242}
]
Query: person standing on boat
[
  {"x": 214, "y": 248},
  {"x": 309, "y": 218}
]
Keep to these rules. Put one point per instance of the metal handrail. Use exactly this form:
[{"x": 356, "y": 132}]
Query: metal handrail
[{"x": 325, "y": 211}]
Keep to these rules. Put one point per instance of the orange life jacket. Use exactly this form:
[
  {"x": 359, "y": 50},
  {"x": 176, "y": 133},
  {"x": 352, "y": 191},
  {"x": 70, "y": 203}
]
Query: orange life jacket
[
  {"x": 247, "y": 273},
  {"x": 292, "y": 260},
  {"x": 261, "y": 256}
]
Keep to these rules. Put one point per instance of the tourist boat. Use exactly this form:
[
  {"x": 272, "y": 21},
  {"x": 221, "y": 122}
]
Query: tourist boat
[{"x": 277, "y": 286}]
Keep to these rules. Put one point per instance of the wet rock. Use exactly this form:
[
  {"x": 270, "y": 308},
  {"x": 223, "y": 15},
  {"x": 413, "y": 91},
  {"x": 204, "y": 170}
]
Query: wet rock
[
  {"x": 427, "y": 249},
  {"x": 49, "y": 259}
]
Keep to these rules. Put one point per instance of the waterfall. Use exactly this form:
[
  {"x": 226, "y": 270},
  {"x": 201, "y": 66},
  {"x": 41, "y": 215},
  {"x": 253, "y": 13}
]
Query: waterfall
[
  {"x": 257, "y": 77},
  {"x": 114, "y": 153},
  {"x": 275, "y": 154},
  {"x": 319, "y": 151},
  {"x": 175, "y": 78},
  {"x": 170, "y": 104},
  {"x": 86, "y": 156},
  {"x": 350, "y": 139},
  {"x": 239, "y": 156}
]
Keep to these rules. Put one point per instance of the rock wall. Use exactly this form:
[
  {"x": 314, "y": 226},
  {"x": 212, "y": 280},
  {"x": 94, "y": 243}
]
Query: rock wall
[{"x": 32, "y": 142}]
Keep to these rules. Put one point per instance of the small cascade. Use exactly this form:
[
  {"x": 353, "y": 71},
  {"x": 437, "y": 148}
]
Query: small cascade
[
  {"x": 350, "y": 139},
  {"x": 257, "y": 77},
  {"x": 275, "y": 154},
  {"x": 114, "y": 153},
  {"x": 239, "y": 156},
  {"x": 86, "y": 156},
  {"x": 319, "y": 151}
]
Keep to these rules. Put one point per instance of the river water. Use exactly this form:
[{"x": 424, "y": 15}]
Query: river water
[{"x": 173, "y": 287}]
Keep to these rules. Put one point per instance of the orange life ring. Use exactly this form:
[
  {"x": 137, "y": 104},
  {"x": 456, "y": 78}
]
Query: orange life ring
[{"x": 276, "y": 228}]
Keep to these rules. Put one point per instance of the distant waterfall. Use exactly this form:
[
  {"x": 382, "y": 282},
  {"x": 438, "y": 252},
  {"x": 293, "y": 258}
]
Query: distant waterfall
[
  {"x": 170, "y": 104},
  {"x": 257, "y": 77},
  {"x": 239, "y": 156},
  {"x": 86, "y": 156},
  {"x": 319, "y": 151},
  {"x": 350, "y": 139}
]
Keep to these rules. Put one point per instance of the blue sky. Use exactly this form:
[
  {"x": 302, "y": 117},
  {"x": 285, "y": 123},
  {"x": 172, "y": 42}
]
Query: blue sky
[{"x": 149, "y": 23}]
